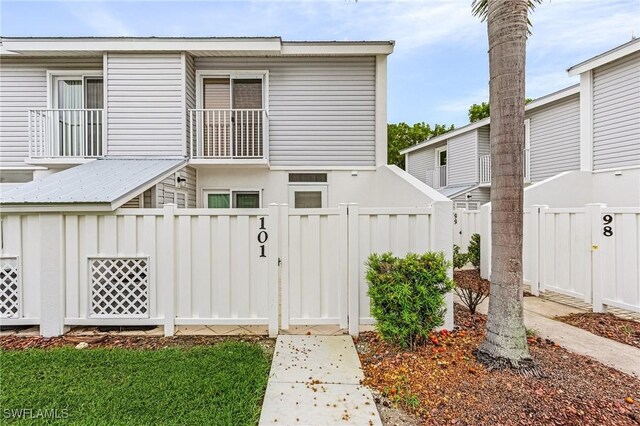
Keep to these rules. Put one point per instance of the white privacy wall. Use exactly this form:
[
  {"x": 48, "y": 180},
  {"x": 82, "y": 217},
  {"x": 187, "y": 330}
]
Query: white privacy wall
[{"x": 174, "y": 266}]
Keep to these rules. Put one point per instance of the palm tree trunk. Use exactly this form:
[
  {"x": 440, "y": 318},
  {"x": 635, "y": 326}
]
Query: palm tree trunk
[{"x": 505, "y": 344}]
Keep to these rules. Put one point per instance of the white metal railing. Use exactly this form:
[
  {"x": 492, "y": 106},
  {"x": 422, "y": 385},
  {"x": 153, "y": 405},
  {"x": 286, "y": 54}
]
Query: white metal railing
[
  {"x": 437, "y": 178},
  {"x": 56, "y": 133},
  {"x": 526, "y": 165},
  {"x": 485, "y": 169},
  {"x": 233, "y": 134}
]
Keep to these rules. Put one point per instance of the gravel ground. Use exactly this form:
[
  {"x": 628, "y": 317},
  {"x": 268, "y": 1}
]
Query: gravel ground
[
  {"x": 442, "y": 383},
  {"x": 606, "y": 325}
]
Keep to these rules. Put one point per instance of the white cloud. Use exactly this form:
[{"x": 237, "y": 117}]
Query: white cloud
[{"x": 97, "y": 16}]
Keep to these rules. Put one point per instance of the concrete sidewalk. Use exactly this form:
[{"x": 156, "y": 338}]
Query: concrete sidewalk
[
  {"x": 315, "y": 380},
  {"x": 538, "y": 314}
]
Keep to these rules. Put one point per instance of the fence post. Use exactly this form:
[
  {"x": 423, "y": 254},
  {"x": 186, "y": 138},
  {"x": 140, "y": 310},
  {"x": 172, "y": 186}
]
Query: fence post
[
  {"x": 283, "y": 213},
  {"x": 594, "y": 218},
  {"x": 52, "y": 274},
  {"x": 537, "y": 214},
  {"x": 274, "y": 268},
  {"x": 485, "y": 241},
  {"x": 354, "y": 270},
  {"x": 168, "y": 264},
  {"x": 343, "y": 256},
  {"x": 442, "y": 240}
]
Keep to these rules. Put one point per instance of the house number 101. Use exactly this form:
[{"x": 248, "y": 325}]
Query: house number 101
[{"x": 263, "y": 236}]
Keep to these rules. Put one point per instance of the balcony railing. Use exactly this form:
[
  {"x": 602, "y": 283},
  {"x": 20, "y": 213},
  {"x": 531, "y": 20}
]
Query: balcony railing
[
  {"x": 485, "y": 167},
  {"x": 437, "y": 178},
  {"x": 231, "y": 134},
  {"x": 70, "y": 133}
]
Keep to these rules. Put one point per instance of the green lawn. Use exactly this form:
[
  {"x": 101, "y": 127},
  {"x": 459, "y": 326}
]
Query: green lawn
[{"x": 206, "y": 385}]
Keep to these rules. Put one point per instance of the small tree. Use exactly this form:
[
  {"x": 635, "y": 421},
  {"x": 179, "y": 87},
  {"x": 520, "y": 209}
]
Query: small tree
[
  {"x": 474, "y": 251},
  {"x": 407, "y": 295},
  {"x": 471, "y": 289}
]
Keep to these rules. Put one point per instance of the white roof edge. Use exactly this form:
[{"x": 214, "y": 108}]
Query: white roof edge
[
  {"x": 536, "y": 103},
  {"x": 139, "y": 190},
  {"x": 606, "y": 57},
  {"x": 16, "y": 46},
  {"x": 450, "y": 134}
]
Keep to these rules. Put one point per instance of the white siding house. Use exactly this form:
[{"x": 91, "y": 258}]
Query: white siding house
[
  {"x": 267, "y": 158},
  {"x": 552, "y": 129}
]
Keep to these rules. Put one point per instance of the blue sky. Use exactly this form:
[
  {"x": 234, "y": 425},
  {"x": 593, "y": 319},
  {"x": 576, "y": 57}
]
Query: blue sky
[{"x": 439, "y": 66}]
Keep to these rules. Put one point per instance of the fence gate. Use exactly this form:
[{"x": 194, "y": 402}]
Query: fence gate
[{"x": 314, "y": 272}]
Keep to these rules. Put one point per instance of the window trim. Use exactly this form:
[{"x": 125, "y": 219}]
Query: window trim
[
  {"x": 78, "y": 74},
  {"x": 230, "y": 192},
  {"x": 308, "y": 187},
  {"x": 263, "y": 74}
]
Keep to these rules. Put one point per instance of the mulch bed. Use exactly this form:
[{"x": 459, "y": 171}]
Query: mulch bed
[
  {"x": 15, "y": 342},
  {"x": 442, "y": 383},
  {"x": 606, "y": 325}
]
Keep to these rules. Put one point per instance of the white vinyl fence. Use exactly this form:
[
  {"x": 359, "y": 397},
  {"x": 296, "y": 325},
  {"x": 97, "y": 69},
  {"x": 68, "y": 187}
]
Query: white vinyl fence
[
  {"x": 465, "y": 224},
  {"x": 169, "y": 266},
  {"x": 591, "y": 253}
]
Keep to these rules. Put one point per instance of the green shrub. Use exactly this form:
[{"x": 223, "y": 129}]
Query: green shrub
[
  {"x": 407, "y": 295},
  {"x": 459, "y": 259},
  {"x": 474, "y": 251}
]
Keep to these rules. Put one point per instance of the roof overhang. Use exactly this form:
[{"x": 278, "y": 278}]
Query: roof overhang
[
  {"x": 536, "y": 103},
  {"x": 606, "y": 57},
  {"x": 89, "y": 187},
  {"x": 197, "y": 46}
]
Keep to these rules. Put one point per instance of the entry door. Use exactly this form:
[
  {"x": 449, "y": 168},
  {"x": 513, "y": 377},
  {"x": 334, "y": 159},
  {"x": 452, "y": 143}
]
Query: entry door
[{"x": 216, "y": 119}]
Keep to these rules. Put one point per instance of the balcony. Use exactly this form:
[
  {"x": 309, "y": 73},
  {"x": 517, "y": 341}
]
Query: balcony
[
  {"x": 229, "y": 136},
  {"x": 484, "y": 177},
  {"x": 437, "y": 178},
  {"x": 65, "y": 135}
]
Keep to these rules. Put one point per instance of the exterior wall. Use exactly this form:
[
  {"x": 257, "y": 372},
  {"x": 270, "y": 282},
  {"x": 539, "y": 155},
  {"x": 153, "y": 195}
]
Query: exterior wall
[
  {"x": 23, "y": 86},
  {"x": 616, "y": 113},
  {"x": 422, "y": 160},
  {"x": 169, "y": 184},
  {"x": 576, "y": 188},
  {"x": 480, "y": 195},
  {"x": 555, "y": 138},
  {"x": 190, "y": 95},
  {"x": 321, "y": 110},
  {"x": 484, "y": 144},
  {"x": 462, "y": 159},
  {"x": 145, "y": 104},
  {"x": 387, "y": 186}
]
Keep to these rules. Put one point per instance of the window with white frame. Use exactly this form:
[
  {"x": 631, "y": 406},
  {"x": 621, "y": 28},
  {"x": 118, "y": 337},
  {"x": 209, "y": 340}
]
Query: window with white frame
[
  {"x": 175, "y": 196},
  {"x": 236, "y": 199},
  {"x": 308, "y": 190}
]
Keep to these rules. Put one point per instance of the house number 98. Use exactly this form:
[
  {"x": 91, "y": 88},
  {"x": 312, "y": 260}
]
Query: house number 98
[
  {"x": 607, "y": 229},
  {"x": 263, "y": 236}
]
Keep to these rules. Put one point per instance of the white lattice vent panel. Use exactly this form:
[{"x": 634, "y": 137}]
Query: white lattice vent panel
[
  {"x": 119, "y": 287},
  {"x": 9, "y": 288}
]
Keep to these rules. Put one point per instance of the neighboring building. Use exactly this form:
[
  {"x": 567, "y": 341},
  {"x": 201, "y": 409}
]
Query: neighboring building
[
  {"x": 591, "y": 126},
  {"x": 203, "y": 122}
]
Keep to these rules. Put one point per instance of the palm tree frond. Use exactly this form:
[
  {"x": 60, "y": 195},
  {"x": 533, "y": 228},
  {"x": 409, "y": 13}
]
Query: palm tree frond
[{"x": 481, "y": 8}]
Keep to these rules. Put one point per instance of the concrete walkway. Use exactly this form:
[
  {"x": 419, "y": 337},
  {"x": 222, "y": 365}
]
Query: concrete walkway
[
  {"x": 315, "y": 380},
  {"x": 538, "y": 314}
]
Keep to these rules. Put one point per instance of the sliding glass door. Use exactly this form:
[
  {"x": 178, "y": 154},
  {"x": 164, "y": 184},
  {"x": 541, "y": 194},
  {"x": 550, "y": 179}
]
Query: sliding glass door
[{"x": 78, "y": 101}]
